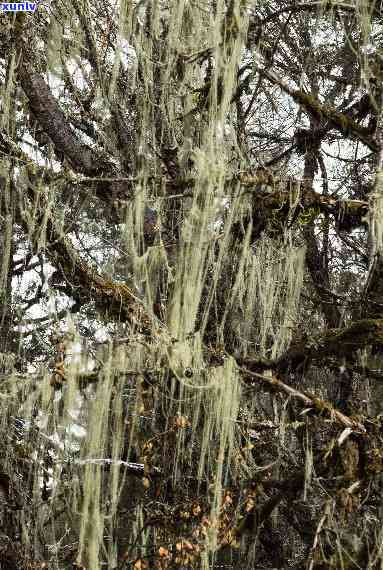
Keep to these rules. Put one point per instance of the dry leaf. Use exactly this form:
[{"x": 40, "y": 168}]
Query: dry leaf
[
  {"x": 146, "y": 482},
  {"x": 196, "y": 510},
  {"x": 163, "y": 552},
  {"x": 140, "y": 565}
]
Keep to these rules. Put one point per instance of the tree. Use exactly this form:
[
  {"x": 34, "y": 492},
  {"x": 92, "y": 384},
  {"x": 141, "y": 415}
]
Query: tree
[{"x": 191, "y": 277}]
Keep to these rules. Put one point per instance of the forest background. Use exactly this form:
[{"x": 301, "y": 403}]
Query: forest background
[{"x": 191, "y": 278}]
